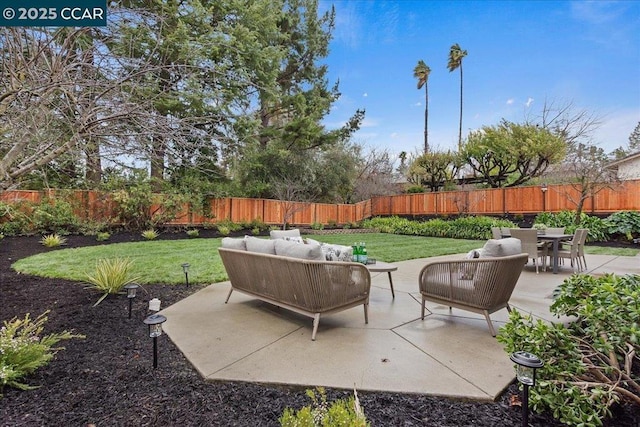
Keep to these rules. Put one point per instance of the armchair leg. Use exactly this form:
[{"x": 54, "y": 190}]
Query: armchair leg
[
  {"x": 422, "y": 307},
  {"x": 491, "y": 329},
  {"x": 316, "y": 322},
  {"x": 228, "y": 295},
  {"x": 366, "y": 313}
]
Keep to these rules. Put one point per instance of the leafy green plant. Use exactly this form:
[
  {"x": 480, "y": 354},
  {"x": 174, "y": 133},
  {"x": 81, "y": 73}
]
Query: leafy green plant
[
  {"x": 150, "y": 234},
  {"x": 224, "y": 230},
  {"x": 332, "y": 223},
  {"x": 317, "y": 226},
  {"x": 322, "y": 414},
  {"x": 229, "y": 225},
  {"x": 54, "y": 216},
  {"x": 466, "y": 227},
  {"x": 255, "y": 231},
  {"x": 110, "y": 277},
  {"x": 598, "y": 229},
  {"x": 626, "y": 223},
  {"x": 138, "y": 208},
  {"x": 193, "y": 233},
  {"x": 24, "y": 348},
  {"x": 15, "y": 218},
  {"x": 591, "y": 364},
  {"x": 103, "y": 236},
  {"x": 53, "y": 240}
]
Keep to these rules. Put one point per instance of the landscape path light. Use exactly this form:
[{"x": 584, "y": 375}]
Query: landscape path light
[
  {"x": 185, "y": 268},
  {"x": 155, "y": 322},
  {"x": 131, "y": 288},
  {"x": 527, "y": 364}
]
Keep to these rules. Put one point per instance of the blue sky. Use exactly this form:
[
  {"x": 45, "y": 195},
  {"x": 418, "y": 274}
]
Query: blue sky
[{"x": 519, "y": 54}]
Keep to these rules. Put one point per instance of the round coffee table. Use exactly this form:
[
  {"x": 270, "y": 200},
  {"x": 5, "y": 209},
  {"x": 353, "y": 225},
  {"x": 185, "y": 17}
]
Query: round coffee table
[{"x": 383, "y": 267}]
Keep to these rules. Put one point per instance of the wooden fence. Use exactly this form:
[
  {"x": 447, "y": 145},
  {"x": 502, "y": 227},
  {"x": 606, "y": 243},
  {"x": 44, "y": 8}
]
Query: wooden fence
[{"x": 97, "y": 206}]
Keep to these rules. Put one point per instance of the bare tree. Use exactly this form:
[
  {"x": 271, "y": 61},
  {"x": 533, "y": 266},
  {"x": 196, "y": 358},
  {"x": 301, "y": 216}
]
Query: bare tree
[
  {"x": 54, "y": 101},
  {"x": 375, "y": 177},
  {"x": 293, "y": 196},
  {"x": 565, "y": 119},
  {"x": 586, "y": 165}
]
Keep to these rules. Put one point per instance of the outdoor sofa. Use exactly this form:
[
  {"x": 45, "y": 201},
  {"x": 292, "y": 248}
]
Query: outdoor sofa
[
  {"x": 295, "y": 276},
  {"x": 482, "y": 283}
]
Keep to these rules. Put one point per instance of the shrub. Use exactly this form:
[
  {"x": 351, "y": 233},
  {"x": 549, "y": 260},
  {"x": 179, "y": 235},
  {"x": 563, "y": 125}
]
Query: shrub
[
  {"x": 626, "y": 223},
  {"x": 15, "y": 218},
  {"x": 589, "y": 364},
  {"x": 224, "y": 230},
  {"x": 229, "y": 226},
  {"x": 103, "y": 236},
  {"x": 193, "y": 233},
  {"x": 598, "y": 229},
  {"x": 54, "y": 216},
  {"x": 110, "y": 277},
  {"x": 468, "y": 227},
  {"x": 150, "y": 234},
  {"x": 317, "y": 226},
  {"x": 138, "y": 208},
  {"x": 53, "y": 240},
  {"x": 332, "y": 223},
  {"x": 321, "y": 414},
  {"x": 255, "y": 231},
  {"x": 23, "y": 349}
]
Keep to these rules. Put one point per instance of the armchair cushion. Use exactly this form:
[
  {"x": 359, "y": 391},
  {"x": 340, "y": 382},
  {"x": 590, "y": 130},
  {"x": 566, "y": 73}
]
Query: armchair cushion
[{"x": 499, "y": 248}]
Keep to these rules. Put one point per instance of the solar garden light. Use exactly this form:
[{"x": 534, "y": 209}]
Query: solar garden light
[
  {"x": 185, "y": 268},
  {"x": 527, "y": 364},
  {"x": 155, "y": 322},
  {"x": 131, "y": 294}
]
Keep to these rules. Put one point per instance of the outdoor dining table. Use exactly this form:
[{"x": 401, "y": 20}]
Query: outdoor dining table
[{"x": 555, "y": 239}]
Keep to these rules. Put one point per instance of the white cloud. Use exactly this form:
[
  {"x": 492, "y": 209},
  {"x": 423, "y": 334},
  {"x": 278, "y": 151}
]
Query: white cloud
[
  {"x": 615, "y": 129},
  {"x": 510, "y": 101},
  {"x": 364, "y": 95},
  {"x": 529, "y": 102},
  {"x": 369, "y": 123},
  {"x": 418, "y": 104},
  {"x": 394, "y": 135}
]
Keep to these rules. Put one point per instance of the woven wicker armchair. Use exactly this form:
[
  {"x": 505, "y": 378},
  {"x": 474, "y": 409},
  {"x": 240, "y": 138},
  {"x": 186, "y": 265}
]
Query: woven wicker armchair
[
  {"x": 481, "y": 285},
  {"x": 308, "y": 287}
]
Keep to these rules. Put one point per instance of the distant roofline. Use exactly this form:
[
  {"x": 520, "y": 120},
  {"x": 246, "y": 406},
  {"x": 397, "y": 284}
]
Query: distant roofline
[{"x": 625, "y": 159}]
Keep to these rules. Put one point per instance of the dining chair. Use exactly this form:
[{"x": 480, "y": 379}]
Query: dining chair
[
  {"x": 572, "y": 250},
  {"x": 581, "y": 234},
  {"x": 529, "y": 240}
]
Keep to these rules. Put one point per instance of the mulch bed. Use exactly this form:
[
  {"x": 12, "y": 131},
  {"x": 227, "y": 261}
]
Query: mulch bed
[{"x": 108, "y": 378}]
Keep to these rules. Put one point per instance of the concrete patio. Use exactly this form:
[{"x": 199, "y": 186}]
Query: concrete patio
[{"x": 446, "y": 354}]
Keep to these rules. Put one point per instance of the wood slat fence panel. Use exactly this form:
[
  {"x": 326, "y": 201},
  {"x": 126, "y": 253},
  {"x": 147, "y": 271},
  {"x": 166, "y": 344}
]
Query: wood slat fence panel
[{"x": 99, "y": 206}]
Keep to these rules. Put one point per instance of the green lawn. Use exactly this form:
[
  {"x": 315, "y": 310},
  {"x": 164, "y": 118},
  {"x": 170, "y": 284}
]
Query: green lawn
[{"x": 160, "y": 261}]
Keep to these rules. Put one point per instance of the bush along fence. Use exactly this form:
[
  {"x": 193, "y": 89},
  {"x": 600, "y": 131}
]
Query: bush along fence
[{"x": 103, "y": 206}]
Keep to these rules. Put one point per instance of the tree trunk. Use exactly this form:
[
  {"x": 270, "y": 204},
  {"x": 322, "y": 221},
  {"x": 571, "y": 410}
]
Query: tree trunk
[
  {"x": 93, "y": 164},
  {"x": 158, "y": 151},
  {"x": 426, "y": 118},
  {"x": 460, "y": 125}
]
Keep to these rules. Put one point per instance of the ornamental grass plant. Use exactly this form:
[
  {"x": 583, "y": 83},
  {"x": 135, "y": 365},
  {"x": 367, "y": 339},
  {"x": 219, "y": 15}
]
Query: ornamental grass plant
[
  {"x": 24, "y": 348},
  {"x": 110, "y": 277}
]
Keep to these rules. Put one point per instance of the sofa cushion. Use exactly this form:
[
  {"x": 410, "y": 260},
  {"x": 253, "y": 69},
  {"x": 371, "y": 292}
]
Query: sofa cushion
[
  {"x": 234, "y": 243},
  {"x": 501, "y": 247},
  {"x": 263, "y": 246},
  {"x": 298, "y": 250},
  {"x": 279, "y": 234}
]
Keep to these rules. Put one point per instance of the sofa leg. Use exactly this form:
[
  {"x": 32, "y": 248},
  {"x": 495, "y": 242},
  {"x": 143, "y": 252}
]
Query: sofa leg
[
  {"x": 491, "y": 329},
  {"x": 316, "y": 322},
  {"x": 422, "y": 313},
  {"x": 228, "y": 296},
  {"x": 366, "y": 313}
]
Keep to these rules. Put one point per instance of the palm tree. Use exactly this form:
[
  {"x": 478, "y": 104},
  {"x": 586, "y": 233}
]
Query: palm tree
[
  {"x": 421, "y": 72},
  {"x": 455, "y": 61}
]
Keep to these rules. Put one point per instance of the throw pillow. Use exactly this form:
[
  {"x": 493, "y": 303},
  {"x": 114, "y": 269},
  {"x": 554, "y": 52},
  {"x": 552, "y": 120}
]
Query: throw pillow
[
  {"x": 337, "y": 252},
  {"x": 263, "y": 246},
  {"x": 297, "y": 250},
  {"x": 231, "y": 243}
]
